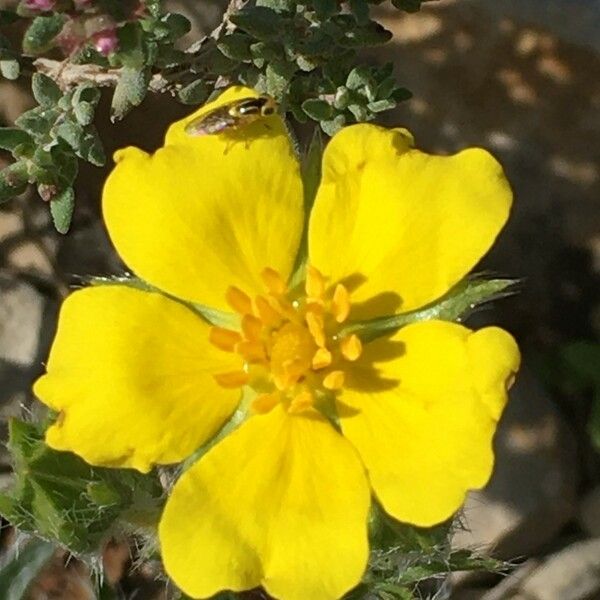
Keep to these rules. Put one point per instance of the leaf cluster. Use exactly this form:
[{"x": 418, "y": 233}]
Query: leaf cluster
[
  {"x": 47, "y": 142},
  {"x": 58, "y": 496}
]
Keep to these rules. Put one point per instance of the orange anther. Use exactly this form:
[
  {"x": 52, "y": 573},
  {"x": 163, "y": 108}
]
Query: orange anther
[
  {"x": 225, "y": 339},
  {"x": 233, "y": 379},
  {"x": 302, "y": 402},
  {"x": 267, "y": 313},
  {"x": 251, "y": 351},
  {"x": 321, "y": 359},
  {"x": 315, "y": 283},
  {"x": 251, "y": 327},
  {"x": 265, "y": 402},
  {"x": 315, "y": 326},
  {"x": 340, "y": 305},
  {"x": 238, "y": 300},
  {"x": 351, "y": 347},
  {"x": 274, "y": 282},
  {"x": 334, "y": 380}
]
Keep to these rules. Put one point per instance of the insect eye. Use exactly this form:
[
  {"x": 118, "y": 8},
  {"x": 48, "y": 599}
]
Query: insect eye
[{"x": 267, "y": 110}]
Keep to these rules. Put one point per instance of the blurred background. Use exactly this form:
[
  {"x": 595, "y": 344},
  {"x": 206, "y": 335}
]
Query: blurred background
[{"x": 518, "y": 77}]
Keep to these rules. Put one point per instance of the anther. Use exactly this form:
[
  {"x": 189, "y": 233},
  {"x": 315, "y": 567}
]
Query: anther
[
  {"x": 233, "y": 379},
  {"x": 302, "y": 402},
  {"x": 321, "y": 359},
  {"x": 273, "y": 281},
  {"x": 265, "y": 402},
  {"x": 334, "y": 380},
  {"x": 315, "y": 283},
  {"x": 239, "y": 301},
  {"x": 253, "y": 352},
  {"x": 315, "y": 326},
  {"x": 267, "y": 313},
  {"x": 225, "y": 339},
  {"x": 340, "y": 304},
  {"x": 351, "y": 347},
  {"x": 252, "y": 327}
]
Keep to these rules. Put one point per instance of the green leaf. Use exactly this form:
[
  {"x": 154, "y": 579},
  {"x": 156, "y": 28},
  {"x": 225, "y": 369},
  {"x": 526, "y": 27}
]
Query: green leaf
[
  {"x": 177, "y": 25},
  {"x": 45, "y": 91},
  {"x": 462, "y": 299},
  {"x": 279, "y": 75},
  {"x": 261, "y": 22},
  {"x": 360, "y": 10},
  {"x": 38, "y": 121},
  {"x": 196, "y": 92},
  {"x": 332, "y": 126},
  {"x": 317, "y": 109},
  {"x": 91, "y": 148},
  {"x": 325, "y": 9},
  {"x": 71, "y": 132},
  {"x": 236, "y": 46},
  {"x": 13, "y": 181},
  {"x": 84, "y": 102},
  {"x": 60, "y": 496},
  {"x": 10, "y": 68},
  {"x": 40, "y": 34},
  {"x": 381, "y": 105},
  {"x": 130, "y": 91},
  {"x": 61, "y": 208},
  {"x": 358, "y": 77},
  {"x": 130, "y": 52},
  {"x": 12, "y": 137},
  {"x": 22, "y": 566}
]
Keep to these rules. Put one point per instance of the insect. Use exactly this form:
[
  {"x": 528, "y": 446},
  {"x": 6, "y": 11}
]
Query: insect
[{"x": 237, "y": 113}]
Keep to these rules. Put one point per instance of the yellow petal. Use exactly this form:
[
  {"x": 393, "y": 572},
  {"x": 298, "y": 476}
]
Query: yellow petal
[
  {"x": 421, "y": 408},
  {"x": 206, "y": 213},
  {"x": 282, "y": 502},
  {"x": 400, "y": 226},
  {"x": 130, "y": 373}
]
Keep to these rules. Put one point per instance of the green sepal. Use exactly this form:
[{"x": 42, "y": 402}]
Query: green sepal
[
  {"x": 58, "y": 496},
  {"x": 461, "y": 300}
]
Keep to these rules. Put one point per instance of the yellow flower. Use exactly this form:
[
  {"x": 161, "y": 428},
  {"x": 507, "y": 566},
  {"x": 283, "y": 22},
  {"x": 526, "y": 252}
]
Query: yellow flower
[{"x": 139, "y": 378}]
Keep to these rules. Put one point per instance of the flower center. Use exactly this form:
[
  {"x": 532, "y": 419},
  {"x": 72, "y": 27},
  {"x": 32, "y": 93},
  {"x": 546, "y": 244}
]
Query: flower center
[{"x": 290, "y": 341}]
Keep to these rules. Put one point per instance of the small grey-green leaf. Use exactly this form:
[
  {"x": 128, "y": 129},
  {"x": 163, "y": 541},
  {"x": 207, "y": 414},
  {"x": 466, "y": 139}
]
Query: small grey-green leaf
[
  {"x": 332, "y": 126},
  {"x": 259, "y": 21},
  {"x": 13, "y": 181},
  {"x": 279, "y": 75},
  {"x": 40, "y": 35},
  {"x": 130, "y": 91},
  {"x": 317, "y": 109},
  {"x": 236, "y": 46},
  {"x": 381, "y": 105},
  {"x": 45, "y": 90},
  {"x": 61, "y": 208},
  {"x": 84, "y": 113},
  {"x": 194, "y": 93},
  {"x": 358, "y": 77},
  {"x": 12, "y": 137},
  {"x": 71, "y": 132},
  {"x": 10, "y": 68}
]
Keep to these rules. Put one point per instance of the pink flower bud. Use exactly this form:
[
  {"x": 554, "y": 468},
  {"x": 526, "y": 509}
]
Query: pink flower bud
[
  {"x": 40, "y": 5},
  {"x": 106, "y": 41}
]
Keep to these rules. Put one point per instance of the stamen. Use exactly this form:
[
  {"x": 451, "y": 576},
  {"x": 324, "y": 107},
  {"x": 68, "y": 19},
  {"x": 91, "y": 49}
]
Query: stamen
[
  {"x": 334, "y": 380},
  {"x": 351, "y": 347},
  {"x": 302, "y": 402},
  {"x": 315, "y": 283},
  {"x": 252, "y": 327},
  {"x": 315, "y": 326},
  {"x": 321, "y": 359},
  {"x": 340, "y": 304},
  {"x": 251, "y": 351},
  {"x": 265, "y": 402},
  {"x": 225, "y": 339},
  {"x": 238, "y": 300},
  {"x": 233, "y": 379},
  {"x": 267, "y": 313},
  {"x": 274, "y": 282}
]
